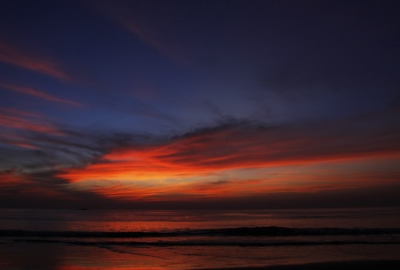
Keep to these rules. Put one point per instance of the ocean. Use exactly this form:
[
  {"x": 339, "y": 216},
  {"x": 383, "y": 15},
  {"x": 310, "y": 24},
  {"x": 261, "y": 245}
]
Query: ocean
[{"x": 132, "y": 239}]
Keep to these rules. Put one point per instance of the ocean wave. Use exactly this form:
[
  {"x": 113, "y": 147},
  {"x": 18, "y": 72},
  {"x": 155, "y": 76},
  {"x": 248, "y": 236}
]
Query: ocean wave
[
  {"x": 237, "y": 232},
  {"x": 205, "y": 243}
]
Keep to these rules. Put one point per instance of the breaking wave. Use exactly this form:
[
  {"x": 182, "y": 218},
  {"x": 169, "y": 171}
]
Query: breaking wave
[
  {"x": 243, "y": 236},
  {"x": 243, "y": 231}
]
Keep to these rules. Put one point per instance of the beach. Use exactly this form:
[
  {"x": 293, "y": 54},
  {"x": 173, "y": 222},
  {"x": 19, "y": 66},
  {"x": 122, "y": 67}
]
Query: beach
[
  {"x": 199, "y": 135},
  {"x": 181, "y": 240}
]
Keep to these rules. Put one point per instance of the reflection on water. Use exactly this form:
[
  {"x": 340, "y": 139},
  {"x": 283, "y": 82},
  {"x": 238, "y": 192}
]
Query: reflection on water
[
  {"x": 19, "y": 252},
  {"x": 24, "y": 256},
  {"x": 125, "y": 220}
]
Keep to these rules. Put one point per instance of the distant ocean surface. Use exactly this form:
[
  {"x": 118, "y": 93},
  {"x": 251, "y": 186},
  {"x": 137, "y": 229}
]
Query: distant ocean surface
[{"x": 124, "y": 239}]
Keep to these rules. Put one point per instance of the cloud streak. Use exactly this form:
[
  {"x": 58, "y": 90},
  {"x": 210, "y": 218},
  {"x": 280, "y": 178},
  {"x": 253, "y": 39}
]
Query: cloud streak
[
  {"x": 14, "y": 56},
  {"x": 13, "y": 121},
  {"x": 242, "y": 146},
  {"x": 151, "y": 27},
  {"x": 232, "y": 188},
  {"x": 43, "y": 190},
  {"x": 12, "y": 183},
  {"x": 19, "y": 141},
  {"x": 37, "y": 93}
]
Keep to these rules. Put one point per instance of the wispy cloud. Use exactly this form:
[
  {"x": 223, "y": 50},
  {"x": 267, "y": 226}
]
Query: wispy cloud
[
  {"x": 17, "y": 57},
  {"x": 156, "y": 40},
  {"x": 37, "y": 93},
  {"x": 42, "y": 190},
  {"x": 240, "y": 146},
  {"x": 16, "y": 119},
  {"x": 12, "y": 183},
  {"x": 231, "y": 188},
  {"x": 232, "y": 160},
  {"x": 15, "y": 140},
  {"x": 150, "y": 28}
]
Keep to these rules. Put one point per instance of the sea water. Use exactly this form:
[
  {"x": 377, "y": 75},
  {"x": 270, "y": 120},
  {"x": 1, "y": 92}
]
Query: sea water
[{"x": 132, "y": 239}]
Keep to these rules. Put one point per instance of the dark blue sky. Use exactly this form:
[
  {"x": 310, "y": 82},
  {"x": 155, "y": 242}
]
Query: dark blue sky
[{"x": 216, "y": 83}]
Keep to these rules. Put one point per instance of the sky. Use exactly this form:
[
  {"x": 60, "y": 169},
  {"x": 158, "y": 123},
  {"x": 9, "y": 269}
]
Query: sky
[{"x": 199, "y": 104}]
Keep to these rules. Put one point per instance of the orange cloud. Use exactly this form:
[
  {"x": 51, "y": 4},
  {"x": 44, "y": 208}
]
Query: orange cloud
[
  {"x": 107, "y": 267},
  {"x": 192, "y": 191},
  {"x": 203, "y": 153},
  {"x": 37, "y": 93},
  {"x": 290, "y": 179},
  {"x": 182, "y": 191},
  {"x": 14, "y": 56}
]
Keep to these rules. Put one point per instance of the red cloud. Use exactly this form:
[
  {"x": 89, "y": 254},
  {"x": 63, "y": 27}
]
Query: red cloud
[
  {"x": 37, "y": 93},
  {"x": 16, "y": 119},
  {"x": 236, "y": 188},
  {"x": 150, "y": 28},
  {"x": 157, "y": 41},
  {"x": 13, "y": 184},
  {"x": 10, "y": 179},
  {"x": 240, "y": 147},
  {"x": 14, "y": 56},
  {"x": 16, "y": 140}
]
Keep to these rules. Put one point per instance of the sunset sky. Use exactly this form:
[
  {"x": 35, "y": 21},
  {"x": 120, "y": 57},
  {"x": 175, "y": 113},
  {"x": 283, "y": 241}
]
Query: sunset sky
[{"x": 199, "y": 104}]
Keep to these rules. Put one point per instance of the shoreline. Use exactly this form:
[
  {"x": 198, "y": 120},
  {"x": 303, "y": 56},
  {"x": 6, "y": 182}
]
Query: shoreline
[{"x": 331, "y": 265}]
